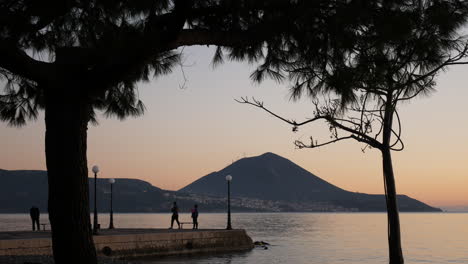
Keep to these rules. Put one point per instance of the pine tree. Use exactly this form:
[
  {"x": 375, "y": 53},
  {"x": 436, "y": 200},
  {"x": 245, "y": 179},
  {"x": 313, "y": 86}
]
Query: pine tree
[
  {"x": 390, "y": 56},
  {"x": 73, "y": 57}
]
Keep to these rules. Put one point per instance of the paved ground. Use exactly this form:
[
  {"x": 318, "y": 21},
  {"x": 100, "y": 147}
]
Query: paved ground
[
  {"x": 105, "y": 232},
  {"x": 49, "y": 260}
]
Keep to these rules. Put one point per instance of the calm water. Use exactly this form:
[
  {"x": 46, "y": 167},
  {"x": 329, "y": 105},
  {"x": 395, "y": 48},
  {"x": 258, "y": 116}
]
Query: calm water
[{"x": 329, "y": 238}]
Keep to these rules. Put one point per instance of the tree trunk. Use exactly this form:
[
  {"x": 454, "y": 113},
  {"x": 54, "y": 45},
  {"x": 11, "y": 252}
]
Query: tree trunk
[
  {"x": 66, "y": 118},
  {"x": 394, "y": 238}
]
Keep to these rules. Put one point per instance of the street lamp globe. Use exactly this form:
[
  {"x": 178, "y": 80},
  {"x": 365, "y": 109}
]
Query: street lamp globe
[
  {"x": 111, "y": 181},
  {"x": 229, "y": 178},
  {"x": 95, "y": 169}
]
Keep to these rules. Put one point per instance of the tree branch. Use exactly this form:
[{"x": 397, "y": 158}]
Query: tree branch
[
  {"x": 356, "y": 134},
  {"x": 17, "y": 62},
  {"x": 450, "y": 61},
  {"x": 299, "y": 144},
  {"x": 397, "y": 135},
  {"x": 361, "y": 137},
  {"x": 256, "y": 103}
]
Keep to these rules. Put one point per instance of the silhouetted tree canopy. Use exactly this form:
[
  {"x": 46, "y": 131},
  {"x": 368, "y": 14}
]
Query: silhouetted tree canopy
[
  {"x": 391, "y": 55},
  {"x": 111, "y": 45}
]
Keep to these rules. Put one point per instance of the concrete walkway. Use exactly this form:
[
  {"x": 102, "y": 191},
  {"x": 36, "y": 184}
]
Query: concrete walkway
[
  {"x": 103, "y": 232},
  {"x": 123, "y": 243}
]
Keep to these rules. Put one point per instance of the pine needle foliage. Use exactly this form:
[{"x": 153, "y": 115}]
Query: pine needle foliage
[
  {"x": 396, "y": 44},
  {"x": 105, "y": 29},
  {"x": 113, "y": 45}
]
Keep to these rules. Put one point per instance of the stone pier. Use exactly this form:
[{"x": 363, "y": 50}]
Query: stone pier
[{"x": 133, "y": 243}]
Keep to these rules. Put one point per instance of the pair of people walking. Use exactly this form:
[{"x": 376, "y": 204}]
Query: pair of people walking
[{"x": 175, "y": 216}]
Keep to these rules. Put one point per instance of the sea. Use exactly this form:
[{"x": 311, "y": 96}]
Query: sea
[{"x": 322, "y": 238}]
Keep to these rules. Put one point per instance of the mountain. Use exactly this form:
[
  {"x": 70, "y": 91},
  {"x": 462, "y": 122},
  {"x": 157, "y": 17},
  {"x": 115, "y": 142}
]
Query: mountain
[
  {"x": 274, "y": 178},
  {"x": 21, "y": 189},
  {"x": 264, "y": 183}
]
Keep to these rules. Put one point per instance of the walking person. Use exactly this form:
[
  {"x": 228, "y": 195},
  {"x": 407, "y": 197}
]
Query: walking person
[
  {"x": 34, "y": 213},
  {"x": 195, "y": 216},
  {"x": 175, "y": 215}
]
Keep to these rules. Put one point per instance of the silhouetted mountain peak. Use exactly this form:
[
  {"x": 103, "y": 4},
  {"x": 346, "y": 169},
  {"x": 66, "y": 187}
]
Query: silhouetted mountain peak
[
  {"x": 267, "y": 176},
  {"x": 272, "y": 177},
  {"x": 266, "y": 159},
  {"x": 269, "y": 155}
]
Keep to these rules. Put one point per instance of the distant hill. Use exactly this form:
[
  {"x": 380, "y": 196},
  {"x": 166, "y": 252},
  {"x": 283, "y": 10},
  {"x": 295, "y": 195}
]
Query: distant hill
[
  {"x": 272, "y": 177},
  {"x": 21, "y": 189}
]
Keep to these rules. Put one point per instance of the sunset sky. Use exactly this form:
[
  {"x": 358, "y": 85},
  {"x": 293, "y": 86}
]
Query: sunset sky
[{"x": 191, "y": 131}]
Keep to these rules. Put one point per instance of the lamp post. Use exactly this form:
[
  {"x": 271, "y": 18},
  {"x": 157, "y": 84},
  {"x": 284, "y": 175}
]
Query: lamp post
[
  {"x": 111, "y": 223},
  {"x": 95, "y": 225},
  {"x": 229, "y": 179}
]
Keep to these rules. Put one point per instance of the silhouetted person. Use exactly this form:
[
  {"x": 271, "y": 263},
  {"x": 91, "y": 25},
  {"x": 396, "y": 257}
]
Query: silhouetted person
[
  {"x": 175, "y": 215},
  {"x": 34, "y": 213},
  {"x": 195, "y": 216}
]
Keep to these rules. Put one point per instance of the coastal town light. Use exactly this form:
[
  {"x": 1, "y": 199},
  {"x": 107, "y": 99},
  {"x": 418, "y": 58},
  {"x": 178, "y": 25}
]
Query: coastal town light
[
  {"x": 95, "y": 169},
  {"x": 229, "y": 179},
  {"x": 111, "y": 223}
]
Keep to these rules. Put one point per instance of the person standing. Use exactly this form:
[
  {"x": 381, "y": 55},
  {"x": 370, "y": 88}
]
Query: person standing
[
  {"x": 175, "y": 215},
  {"x": 195, "y": 216},
  {"x": 34, "y": 213}
]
